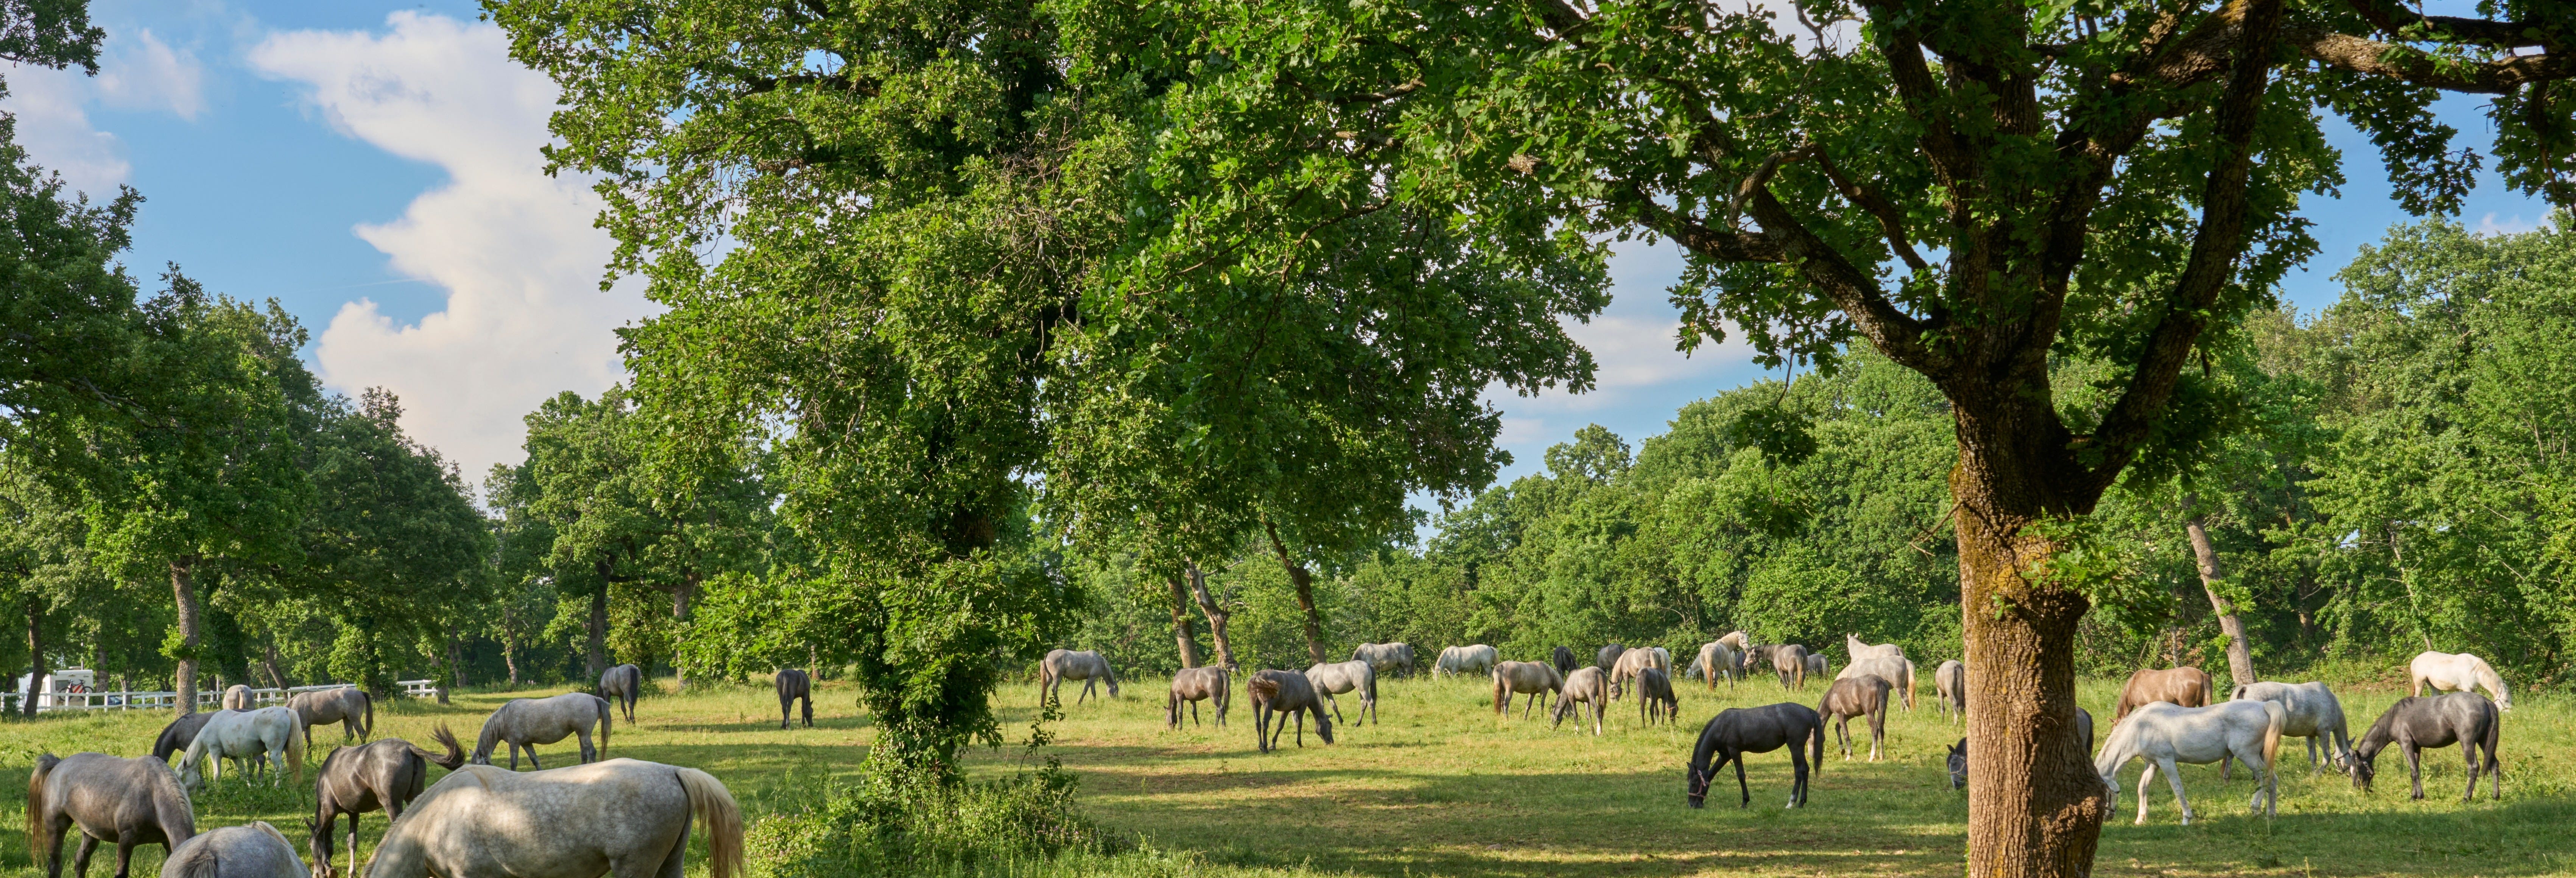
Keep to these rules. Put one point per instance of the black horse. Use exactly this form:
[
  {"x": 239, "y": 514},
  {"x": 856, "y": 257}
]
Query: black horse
[
  {"x": 1609, "y": 657},
  {"x": 1564, "y": 661},
  {"x": 794, "y": 684},
  {"x": 2433, "y": 721},
  {"x": 1959, "y": 751},
  {"x": 181, "y": 732},
  {"x": 1741, "y": 730}
]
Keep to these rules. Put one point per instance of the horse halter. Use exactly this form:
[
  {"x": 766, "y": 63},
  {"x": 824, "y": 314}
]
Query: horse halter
[{"x": 1700, "y": 781}]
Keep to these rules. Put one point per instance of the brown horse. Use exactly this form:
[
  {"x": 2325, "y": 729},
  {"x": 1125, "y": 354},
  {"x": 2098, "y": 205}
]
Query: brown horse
[
  {"x": 1524, "y": 678},
  {"x": 2181, "y": 687},
  {"x": 1587, "y": 686},
  {"x": 1864, "y": 695}
]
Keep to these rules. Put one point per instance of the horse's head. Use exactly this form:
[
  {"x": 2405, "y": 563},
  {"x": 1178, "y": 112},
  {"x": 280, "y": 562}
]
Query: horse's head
[
  {"x": 1697, "y": 790},
  {"x": 1959, "y": 765},
  {"x": 2363, "y": 767}
]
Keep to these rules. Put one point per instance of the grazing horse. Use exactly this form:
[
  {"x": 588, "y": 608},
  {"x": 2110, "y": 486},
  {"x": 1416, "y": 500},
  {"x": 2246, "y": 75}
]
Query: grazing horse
[
  {"x": 1194, "y": 685},
  {"x": 621, "y": 685},
  {"x": 1065, "y": 664},
  {"x": 272, "y": 732},
  {"x": 256, "y": 850},
  {"x": 1632, "y": 662},
  {"x": 239, "y": 697},
  {"x": 624, "y": 815},
  {"x": 1818, "y": 665},
  {"x": 2164, "y": 734},
  {"x": 1715, "y": 658},
  {"x": 1897, "y": 672},
  {"x": 350, "y": 707},
  {"x": 1739, "y": 641},
  {"x": 1864, "y": 695},
  {"x": 1351, "y": 676},
  {"x": 523, "y": 723},
  {"x": 176, "y": 736},
  {"x": 1476, "y": 659},
  {"x": 2417, "y": 723},
  {"x": 1789, "y": 660},
  {"x": 1289, "y": 694},
  {"x": 2314, "y": 713},
  {"x": 1950, "y": 683},
  {"x": 794, "y": 684},
  {"x": 1524, "y": 678},
  {"x": 1608, "y": 657},
  {"x": 1959, "y": 751},
  {"x": 1859, "y": 650},
  {"x": 2181, "y": 687},
  {"x": 1588, "y": 686},
  {"x": 1385, "y": 657},
  {"x": 127, "y": 801},
  {"x": 1564, "y": 661},
  {"x": 1655, "y": 697},
  {"x": 382, "y": 776},
  {"x": 1736, "y": 731},
  {"x": 2457, "y": 672}
]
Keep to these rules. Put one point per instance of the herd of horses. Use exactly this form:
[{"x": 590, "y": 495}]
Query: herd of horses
[
  {"x": 623, "y": 817},
  {"x": 2166, "y": 717}
]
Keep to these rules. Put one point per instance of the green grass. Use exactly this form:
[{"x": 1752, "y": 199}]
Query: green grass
[{"x": 1444, "y": 787}]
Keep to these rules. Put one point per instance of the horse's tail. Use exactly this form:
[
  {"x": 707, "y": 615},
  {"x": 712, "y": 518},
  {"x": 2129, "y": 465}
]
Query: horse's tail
[
  {"x": 1816, "y": 746},
  {"x": 37, "y": 825},
  {"x": 295, "y": 748},
  {"x": 605, "y": 720},
  {"x": 722, "y": 819},
  {"x": 369, "y": 730},
  {"x": 1372, "y": 685},
  {"x": 455, "y": 757},
  {"x": 2274, "y": 719},
  {"x": 1498, "y": 690}
]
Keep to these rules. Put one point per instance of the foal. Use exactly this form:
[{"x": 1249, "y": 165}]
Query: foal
[
  {"x": 1740, "y": 730},
  {"x": 1655, "y": 697},
  {"x": 1587, "y": 686},
  {"x": 1194, "y": 685},
  {"x": 1864, "y": 695}
]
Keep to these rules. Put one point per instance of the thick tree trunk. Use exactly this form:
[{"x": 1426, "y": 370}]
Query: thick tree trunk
[
  {"x": 2035, "y": 807},
  {"x": 268, "y": 659},
  {"x": 510, "y": 659},
  {"x": 36, "y": 651},
  {"x": 2240, "y": 656},
  {"x": 183, "y": 588},
  {"x": 1216, "y": 615},
  {"x": 456, "y": 661},
  {"x": 1305, "y": 583},
  {"x": 1181, "y": 624}
]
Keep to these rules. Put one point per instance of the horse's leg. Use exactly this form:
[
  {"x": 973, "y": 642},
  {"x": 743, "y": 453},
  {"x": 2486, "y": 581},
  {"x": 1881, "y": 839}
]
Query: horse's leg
[
  {"x": 2173, "y": 777},
  {"x": 1798, "y": 783},
  {"x": 80, "y": 861},
  {"x": 587, "y": 754},
  {"x": 125, "y": 842},
  {"x": 53, "y": 854},
  {"x": 531, "y": 747},
  {"x": 2469, "y": 750},
  {"x": 2415, "y": 766},
  {"x": 2143, "y": 777},
  {"x": 1741, "y": 788}
]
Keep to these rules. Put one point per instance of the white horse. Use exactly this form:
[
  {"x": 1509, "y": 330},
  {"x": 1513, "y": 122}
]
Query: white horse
[
  {"x": 1739, "y": 641},
  {"x": 273, "y": 732},
  {"x": 1860, "y": 651},
  {"x": 2457, "y": 672},
  {"x": 621, "y": 817},
  {"x": 1715, "y": 658},
  {"x": 1476, "y": 659},
  {"x": 1950, "y": 684},
  {"x": 1897, "y": 671},
  {"x": 1339, "y": 677},
  {"x": 1065, "y": 664},
  {"x": 1396, "y": 658},
  {"x": 2312, "y": 712},
  {"x": 2163, "y": 734}
]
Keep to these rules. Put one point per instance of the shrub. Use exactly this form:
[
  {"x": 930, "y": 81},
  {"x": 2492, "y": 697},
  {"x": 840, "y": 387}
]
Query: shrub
[{"x": 885, "y": 826}]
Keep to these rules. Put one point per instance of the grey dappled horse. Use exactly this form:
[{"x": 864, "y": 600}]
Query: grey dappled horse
[
  {"x": 1341, "y": 677},
  {"x": 1655, "y": 698},
  {"x": 1736, "y": 731},
  {"x": 1193, "y": 685},
  {"x": 348, "y": 706},
  {"x": 239, "y": 697},
  {"x": 380, "y": 776},
  {"x": 624, "y": 815},
  {"x": 1384, "y": 658},
  {"x": 793, "y": 685},
  {"x": 2416, "y": 723},
  {"x": 621, "y": 685},
  {"x": 1470, "y": 659},
  {"x": 1716, "y": 657},
  {"x": 1288, "y": 694},
  {"x": 176, "y": 736},
  {"x": 1587, "y": 685},
  {"x": 1950, "y": 683},
  {"x": 523, "y": 723},
  {"x": 1608, "y": 657},
  {"x": 256, "y": 850},
  {"x": 2313, "y": 713},
  {"x": 1065, "y": 664},
  {"x": 1897, "y": 672},
  {"x": 270, "y": 732},
  {"x": 127, "y": 801}
]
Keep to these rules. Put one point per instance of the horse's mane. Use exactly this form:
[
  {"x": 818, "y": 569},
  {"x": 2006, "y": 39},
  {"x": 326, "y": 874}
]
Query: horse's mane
[{"x": 1262, "y": 686}]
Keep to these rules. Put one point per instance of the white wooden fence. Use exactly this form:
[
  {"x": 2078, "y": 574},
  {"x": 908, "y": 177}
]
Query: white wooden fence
[{"x": 47, "y": 702}]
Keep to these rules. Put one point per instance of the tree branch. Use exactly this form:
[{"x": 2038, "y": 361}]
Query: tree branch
[
  {"x": 1891, "y": 221},
  {"x": 2394, "y": 20},
  {"x": 2415, "y": 67}
]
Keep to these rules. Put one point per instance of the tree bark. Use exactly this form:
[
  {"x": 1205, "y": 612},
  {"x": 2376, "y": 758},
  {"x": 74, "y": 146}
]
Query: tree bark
[
  {"x": 1305, "y": 583},
  {"x": 456, "y": 661},
  {"x": 183, "y": 587},
  {"x": 2240, "y": 656},
  {"x": 268, "y": 659},
  {"x": 680, "y": 598},
  {"x": 1216, "y": 615},
  {"x": 2035, "y": 806},
  {"x": 1181, "y": 623},
  {"x": 36, "y": 653}
]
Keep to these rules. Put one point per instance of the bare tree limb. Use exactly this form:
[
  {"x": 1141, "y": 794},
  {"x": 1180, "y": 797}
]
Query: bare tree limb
[{"x": 2413, "y": 66}]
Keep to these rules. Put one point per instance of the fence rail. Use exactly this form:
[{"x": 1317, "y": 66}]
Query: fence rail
[{"x": 47, "y": 702}]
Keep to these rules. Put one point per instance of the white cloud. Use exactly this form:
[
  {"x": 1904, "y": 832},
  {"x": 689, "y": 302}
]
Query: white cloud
[
  {"x": 2514, "y": 225},
  {"x": 515, "y": 249},
  {"x": 143, "y": 73}
]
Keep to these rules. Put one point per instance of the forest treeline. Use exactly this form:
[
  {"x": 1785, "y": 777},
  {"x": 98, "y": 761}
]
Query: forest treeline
[{"x": 2401, "y": 480}]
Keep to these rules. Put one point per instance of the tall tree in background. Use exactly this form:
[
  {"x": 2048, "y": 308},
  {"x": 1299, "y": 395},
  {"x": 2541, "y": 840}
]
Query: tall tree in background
[
  {"x": 583, "y": 482},
  {"x": 43, "y": 556},
  {"x": 67, "y": 316},
  {"x": 220, "y": 482},
  {"x": 2106, "y": 182}
]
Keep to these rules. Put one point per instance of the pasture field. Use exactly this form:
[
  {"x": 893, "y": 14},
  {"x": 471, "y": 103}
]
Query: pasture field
[{"x": 1444, "y": 787}]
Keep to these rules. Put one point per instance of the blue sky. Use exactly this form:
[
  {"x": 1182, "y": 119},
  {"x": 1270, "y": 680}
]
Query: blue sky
[{"x": 373, "y": 167}]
